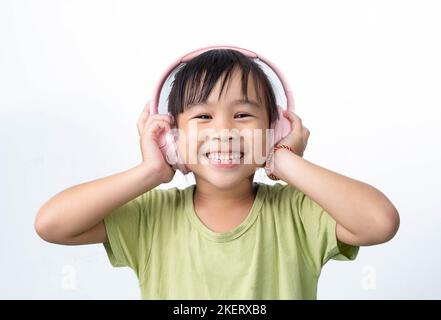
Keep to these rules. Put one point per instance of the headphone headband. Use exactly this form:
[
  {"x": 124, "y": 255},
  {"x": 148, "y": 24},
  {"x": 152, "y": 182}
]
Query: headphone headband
[{"x": 187, "y": 57}]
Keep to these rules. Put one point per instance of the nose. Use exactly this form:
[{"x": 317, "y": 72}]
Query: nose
[
  {"x": 224, "y": 139},
  {"x": 222, "y": 134},
  {"x": 223, "y": 129},
  {"x": 222, "y": 121},
  {"x": 225, "y": 135}
]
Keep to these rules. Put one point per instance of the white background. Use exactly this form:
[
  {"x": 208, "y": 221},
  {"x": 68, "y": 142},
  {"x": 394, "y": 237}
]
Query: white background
[{"x": 74, "y": 76}]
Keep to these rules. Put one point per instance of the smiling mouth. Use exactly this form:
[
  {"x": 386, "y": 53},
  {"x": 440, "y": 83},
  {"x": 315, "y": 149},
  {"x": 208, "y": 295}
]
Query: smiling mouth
[{"x": 224, "y": 157}]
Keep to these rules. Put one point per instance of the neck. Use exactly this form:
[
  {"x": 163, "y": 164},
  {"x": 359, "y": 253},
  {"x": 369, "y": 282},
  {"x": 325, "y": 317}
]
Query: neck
[{"x": 209, "y": 195}]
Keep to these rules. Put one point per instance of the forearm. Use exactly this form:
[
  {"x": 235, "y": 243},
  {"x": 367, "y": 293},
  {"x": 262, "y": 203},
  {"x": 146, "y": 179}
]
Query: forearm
[
  {"x": 357, "y": 206},
  {"x": 79, "y": 208}
]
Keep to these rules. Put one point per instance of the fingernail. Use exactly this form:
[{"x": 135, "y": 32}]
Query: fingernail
[{"x": 171, "y": 117}]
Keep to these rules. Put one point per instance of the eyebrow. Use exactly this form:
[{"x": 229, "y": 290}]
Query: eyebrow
[{"x": 232, "y": 103}]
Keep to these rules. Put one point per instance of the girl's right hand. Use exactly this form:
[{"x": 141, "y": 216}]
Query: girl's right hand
[{"x": 149, "y": 128}]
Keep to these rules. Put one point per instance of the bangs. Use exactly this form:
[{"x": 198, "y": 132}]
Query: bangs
[{"x": 195, "y": 80}]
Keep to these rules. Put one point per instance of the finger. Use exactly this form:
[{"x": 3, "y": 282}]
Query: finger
[
  {"x": 306, "y": 131},
  {"x": 163, "y": 117},
  {"x": 295, "y": 120},
  {"x": 143, "y": 117},
  {"x": 291, "y": 116},
  {"x": 155, "y": 117},
  {"x": 158, "y": 125},
  {"x": 299, "y": 120},
  {"x": 306, "y": 134},
  {"x": 288, "y": 114}
]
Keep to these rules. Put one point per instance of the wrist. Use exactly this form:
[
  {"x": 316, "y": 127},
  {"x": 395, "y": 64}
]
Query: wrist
[
  {"x": 276, "y": 157},
  {"x": 149, "y": 175},
  {"x": 281, "y": 157}
]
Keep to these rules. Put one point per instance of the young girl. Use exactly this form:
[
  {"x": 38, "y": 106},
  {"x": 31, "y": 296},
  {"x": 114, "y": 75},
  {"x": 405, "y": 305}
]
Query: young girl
[{"x": 226, "y": 237}]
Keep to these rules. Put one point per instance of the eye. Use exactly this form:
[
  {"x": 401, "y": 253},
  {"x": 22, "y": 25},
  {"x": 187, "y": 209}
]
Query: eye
[
  {"x": 243, "y": 115},
  {"x": 202, "y": 116}
]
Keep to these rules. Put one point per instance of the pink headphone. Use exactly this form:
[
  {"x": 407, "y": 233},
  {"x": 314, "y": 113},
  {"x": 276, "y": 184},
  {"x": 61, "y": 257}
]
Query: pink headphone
[{"x": 167, "y": 142}]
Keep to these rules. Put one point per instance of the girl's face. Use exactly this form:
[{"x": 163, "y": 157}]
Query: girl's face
[{"x": 224, "y": 141}]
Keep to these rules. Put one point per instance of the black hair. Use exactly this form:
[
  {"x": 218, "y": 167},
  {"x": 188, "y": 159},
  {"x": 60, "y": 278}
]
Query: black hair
[{"x": 187, "y": 87}]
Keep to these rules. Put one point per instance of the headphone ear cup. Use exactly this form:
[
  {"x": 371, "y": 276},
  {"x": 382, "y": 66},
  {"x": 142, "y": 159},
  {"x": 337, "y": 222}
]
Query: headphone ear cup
[
  {"x": 282, "y": 127},
  {"x": 172, "y": 155}
]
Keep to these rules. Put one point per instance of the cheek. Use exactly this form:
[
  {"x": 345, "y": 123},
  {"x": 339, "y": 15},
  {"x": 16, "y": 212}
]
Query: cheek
[
  {"x": 188, "y": 148},
  {"x": 260, "y": 138},
  {"x": 256, "y": 146}
]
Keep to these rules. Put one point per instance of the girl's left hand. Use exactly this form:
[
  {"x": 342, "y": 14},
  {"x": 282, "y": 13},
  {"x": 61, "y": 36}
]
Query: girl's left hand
[{"x": 298, "y": 138}]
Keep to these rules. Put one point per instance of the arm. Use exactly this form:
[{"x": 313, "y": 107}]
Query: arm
[
  {"x": 364, "y": 215},
  {"x": 75, "y": 215}
]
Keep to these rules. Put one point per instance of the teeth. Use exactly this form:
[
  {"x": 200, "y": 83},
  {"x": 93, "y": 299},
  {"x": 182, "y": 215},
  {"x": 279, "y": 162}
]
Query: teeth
[{"x": 224, "y": 156}]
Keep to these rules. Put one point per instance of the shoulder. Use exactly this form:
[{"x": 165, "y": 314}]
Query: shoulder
[
  {"x": 163, "y": 202},
  {"x": 281, "y": 198},
  {"x": 161, "y": 196},
  {"x": 281, "y": 192},
  {"x": 288, "y": 199}
]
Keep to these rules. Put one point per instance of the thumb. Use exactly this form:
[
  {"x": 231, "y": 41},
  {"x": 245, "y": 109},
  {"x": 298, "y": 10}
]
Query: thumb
[{"x": 152, "y": 107}]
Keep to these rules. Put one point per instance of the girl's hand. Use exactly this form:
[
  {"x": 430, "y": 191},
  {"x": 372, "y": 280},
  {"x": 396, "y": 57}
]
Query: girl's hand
[
  {"x": 149, "y": 128},
  {"x": 298, "y": 138}
]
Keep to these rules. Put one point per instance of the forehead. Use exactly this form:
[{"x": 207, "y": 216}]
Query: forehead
[
  {"x": 232, "y": 91},
  {"x": 234, "y": 85}
]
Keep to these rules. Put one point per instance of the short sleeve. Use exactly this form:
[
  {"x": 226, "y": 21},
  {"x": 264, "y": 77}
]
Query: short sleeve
[
  {"x": 128, "y": 231},
  {"x": 317, "y": 228}
]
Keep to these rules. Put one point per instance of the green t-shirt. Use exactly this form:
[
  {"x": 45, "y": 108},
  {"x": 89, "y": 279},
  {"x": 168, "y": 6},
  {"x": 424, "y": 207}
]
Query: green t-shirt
[{"x": 277, "y": 252}]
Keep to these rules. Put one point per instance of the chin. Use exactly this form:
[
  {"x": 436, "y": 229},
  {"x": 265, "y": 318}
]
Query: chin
[{"x": 225, "y": 178}]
